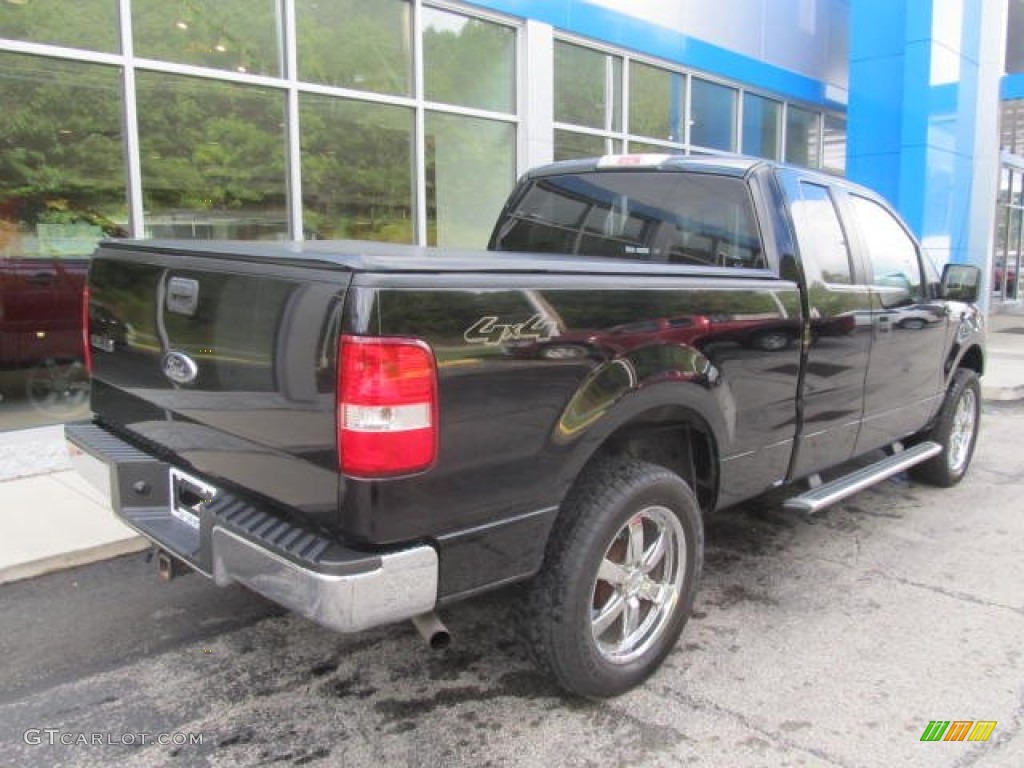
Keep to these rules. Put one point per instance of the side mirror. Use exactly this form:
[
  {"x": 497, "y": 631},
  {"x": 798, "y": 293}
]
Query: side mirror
[{"x": 960, "y": 282}]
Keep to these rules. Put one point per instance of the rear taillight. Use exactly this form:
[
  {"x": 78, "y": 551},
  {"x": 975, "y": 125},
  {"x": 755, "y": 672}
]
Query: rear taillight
[
  {"x": 86, "y": 343},
  {"x": 387, "y": 406}
]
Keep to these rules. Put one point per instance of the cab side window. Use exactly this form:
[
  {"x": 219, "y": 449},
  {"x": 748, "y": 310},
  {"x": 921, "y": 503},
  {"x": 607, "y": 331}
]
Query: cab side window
[
  {"x": 822, "y": 240},
  {"x": 892, "y": 254}
]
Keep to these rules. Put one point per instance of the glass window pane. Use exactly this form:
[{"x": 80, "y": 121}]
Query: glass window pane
[
  {"x": 360, "y": 44},
  {"x": 834, "y": 151},
  {"x": 657, "y": 105},
  {"x": 822, "y": 240},
  {"x": 62, "y": 188},
  {"x": 588, "y": 87},
  {"x": 570, "y": 145},
  {"x": 469, "y": 62},
  {"x": 639, "y": 147},
  {"x": 802, "y": 137},
  {"x": 892, "y": 253},
  {"x": 88, "y": 24},
  {"x": 462, "y": 202},
  {"x": 713, "y": 117},
  {"x": 240, "y": 35},
  {"x": 212, "y": 158},
  {"x": 356, "y": 170},
  {"x": 762, "y": 119}
]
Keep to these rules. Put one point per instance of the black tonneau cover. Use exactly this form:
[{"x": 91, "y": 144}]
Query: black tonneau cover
[{"x": 365, "y": 256}]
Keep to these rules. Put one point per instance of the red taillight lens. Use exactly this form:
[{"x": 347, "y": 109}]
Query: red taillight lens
[
  {"x": 86, "y": 338},
  {"x": 387, "y": 406}
]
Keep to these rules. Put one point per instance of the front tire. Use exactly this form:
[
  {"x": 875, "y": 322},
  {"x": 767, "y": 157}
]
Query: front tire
[
  {"x": 956, "y": 430},
  {"x": 619, "y": 578}
]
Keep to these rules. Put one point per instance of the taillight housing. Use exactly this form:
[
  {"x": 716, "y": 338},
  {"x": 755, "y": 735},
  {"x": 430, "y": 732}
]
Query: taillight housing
[
  {"x": 387, "y": 419},
  {"x": 86, "y": 335}
]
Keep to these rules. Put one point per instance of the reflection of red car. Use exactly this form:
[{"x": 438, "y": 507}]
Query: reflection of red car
[
  {"x": 770, "y": 333},
  {"x": 617, "y": 339},
  {"x": 40, "y": 310}
]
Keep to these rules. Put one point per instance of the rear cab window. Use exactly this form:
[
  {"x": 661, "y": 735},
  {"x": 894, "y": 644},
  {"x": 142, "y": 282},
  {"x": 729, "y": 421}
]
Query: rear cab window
[{"x": 666, "y": 217}]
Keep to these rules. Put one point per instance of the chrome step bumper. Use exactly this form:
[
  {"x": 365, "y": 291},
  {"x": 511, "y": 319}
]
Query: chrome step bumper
[
  {"x": 239, "y": 541},
  {"x": 829, "y": 493}
]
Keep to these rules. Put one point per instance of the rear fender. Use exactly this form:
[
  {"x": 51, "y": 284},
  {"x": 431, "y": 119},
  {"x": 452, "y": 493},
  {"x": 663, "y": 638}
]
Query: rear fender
[{"x": 651, "y": 385}]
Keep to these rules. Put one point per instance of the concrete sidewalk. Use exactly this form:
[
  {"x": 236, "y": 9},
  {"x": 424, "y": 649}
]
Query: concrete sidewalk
[
  {"x": 1004, "y": 377},
  {"x": 51, "y": 519}
]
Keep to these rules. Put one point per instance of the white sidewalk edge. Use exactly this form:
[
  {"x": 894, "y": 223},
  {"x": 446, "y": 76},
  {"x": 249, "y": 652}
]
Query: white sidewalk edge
[{"x": 106, "y": 551}]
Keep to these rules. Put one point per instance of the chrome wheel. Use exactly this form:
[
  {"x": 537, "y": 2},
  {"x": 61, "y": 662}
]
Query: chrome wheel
[
  {"x": 956, "y": 429},
  {"x": 961, "y": 435},
  {"x": 638, "y": 584}
]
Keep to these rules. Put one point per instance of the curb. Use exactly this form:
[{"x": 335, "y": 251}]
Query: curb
[
  {"x": 995, "y": 394},
  {"x": 107, "y": 551}
]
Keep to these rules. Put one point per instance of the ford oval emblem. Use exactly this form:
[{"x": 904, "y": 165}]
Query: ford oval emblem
[{"x": 179, "y": 367}]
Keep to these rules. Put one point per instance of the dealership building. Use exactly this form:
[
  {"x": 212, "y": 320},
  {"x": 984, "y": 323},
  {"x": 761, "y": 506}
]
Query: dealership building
[{"x": 409, "y": 120}]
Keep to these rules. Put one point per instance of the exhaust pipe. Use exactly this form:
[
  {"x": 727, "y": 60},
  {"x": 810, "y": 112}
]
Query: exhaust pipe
[
  {"x": 432, "y": 630},
  {"x": 169, "y": 567}
]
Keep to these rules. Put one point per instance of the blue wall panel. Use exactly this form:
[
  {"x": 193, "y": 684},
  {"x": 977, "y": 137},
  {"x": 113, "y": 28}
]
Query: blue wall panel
[
  {"x": 914, "y": 113},
  {"x": 1013, "y": 87},
  {"x": 609, "y": 26}
]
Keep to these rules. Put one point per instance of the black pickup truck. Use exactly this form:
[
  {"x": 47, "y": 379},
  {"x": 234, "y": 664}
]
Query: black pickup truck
[{"x": 366, "y": 432}]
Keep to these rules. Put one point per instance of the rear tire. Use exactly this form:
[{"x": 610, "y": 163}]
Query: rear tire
[
  {"x": 956, "y": 430},
  {"x": 619, "y": 578}
]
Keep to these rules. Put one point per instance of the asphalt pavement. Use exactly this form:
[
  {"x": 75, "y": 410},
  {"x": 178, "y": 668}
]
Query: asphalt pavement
[{"x": 830, "y": 641}]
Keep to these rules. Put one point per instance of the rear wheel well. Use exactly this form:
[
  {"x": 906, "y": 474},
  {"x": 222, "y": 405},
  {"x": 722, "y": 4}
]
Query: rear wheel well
[{"x": 673, "y": 438}]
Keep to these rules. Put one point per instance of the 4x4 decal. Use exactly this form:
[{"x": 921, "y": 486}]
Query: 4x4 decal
[{"x": 490, "y": 332}]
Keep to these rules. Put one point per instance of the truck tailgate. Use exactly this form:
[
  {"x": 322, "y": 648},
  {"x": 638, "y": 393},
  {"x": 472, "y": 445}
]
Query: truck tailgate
[{"x": 222, "y": 363}]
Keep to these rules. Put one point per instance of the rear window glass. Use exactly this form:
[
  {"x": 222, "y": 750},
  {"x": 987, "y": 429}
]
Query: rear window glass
[{"x": 674, "y": 218}]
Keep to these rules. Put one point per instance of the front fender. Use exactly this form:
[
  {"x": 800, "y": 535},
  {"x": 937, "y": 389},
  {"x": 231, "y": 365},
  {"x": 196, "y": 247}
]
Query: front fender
[{"x": 968, "y": 340}]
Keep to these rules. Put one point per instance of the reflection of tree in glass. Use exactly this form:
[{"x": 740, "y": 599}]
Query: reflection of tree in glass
[
  {"x": 470, "y": 170},
  {"x": 580, "y": 90},
  {"x": 468, "y": 62},
  {"x": 360, "y": 44},
  {"x": 356, "y": 169},
  {"x": 240, "y": 35},
  {"x": 208, "y": 146},
  {"x": 88, "y": 24},
  {"x": 655, "y": 102},
  {"x": 60, "y": 146},
  {"x": 570, "y": 146}
]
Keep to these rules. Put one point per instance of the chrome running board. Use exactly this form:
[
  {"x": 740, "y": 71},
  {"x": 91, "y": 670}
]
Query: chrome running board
[{"x": 829, "y": 493}]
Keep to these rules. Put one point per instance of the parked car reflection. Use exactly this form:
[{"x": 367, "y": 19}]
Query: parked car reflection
[
  {"x": 44, "y": 259},
  {"x": 614, "y": 341}
]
